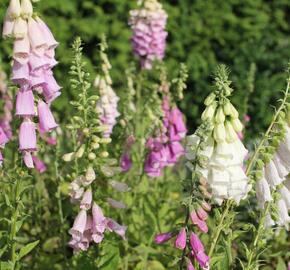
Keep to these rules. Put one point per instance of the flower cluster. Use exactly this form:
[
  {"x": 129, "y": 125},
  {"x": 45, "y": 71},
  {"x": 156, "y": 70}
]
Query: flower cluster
[
  {"x": 223, "y": 156},
  {"x": 33, "y": 60},
  {"x": 107, "y": 105},
  {"x": 90, "y": 144},
  {"x": 149, "y": 35},
  {"x": 166, "y": 149},
  {"x": 274, "y": 177}
]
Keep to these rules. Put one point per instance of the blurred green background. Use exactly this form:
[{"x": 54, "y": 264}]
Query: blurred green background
[{"x": 202, "y": 33}]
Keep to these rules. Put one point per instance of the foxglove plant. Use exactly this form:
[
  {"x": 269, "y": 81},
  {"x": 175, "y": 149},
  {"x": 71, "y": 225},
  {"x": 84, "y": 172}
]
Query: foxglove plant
[
  {"x": 107, "y": 105},
  {"x": 149, "y": 35},
  {"x": 89, "y": 142},
  {"x": 33, "y": 61}
]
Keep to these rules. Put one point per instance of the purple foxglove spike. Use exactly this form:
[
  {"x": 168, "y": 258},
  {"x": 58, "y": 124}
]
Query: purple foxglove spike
[
  {"x": 163, "y": 237},
  {"x": 196, "y": 244},
  {"x": 37, "y": 40},
  {"x": 112, "y": 225},
  {"x": 28, "y": 160},
  {"x": 48, "y": 36},
  {"x": 86, "y": 201},
  {"x": 39, "y": 164},
  {"x": 3, "y": 137},
  {"x": 27, "y": 136},
  {"x": 180, "y": 241},
  {"x": 79, "y": 225},
  {"x": 126, "y": 162},
  {"x": 46, "y": 119},
  {"x": 99, "y": 220},
  {"x": 20, "y": 73},
  {"x": 25, "y": 104},
  {"x": 21, "y": 50}
]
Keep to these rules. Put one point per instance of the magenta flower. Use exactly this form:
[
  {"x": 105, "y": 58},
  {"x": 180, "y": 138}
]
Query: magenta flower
[
  {"x": 202, "y": 214},
  {"x": 163, "y": 237},
  {"x": 46, "y": 119},
  {"x": 196, "y": 244},
  {"x": 39, "y": 164},
  {"x": 126, "y": 162},
  {"x": 180, "y": 241}
]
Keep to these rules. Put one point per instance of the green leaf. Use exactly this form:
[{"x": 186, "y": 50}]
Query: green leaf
[
  {"x": 281, "y": 264},
  {"x": 6, "y": 265},
  {"x": 26, "y": 249}
]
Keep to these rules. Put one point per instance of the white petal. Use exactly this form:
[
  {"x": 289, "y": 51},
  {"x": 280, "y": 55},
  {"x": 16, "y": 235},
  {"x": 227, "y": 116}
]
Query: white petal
[{"x": 272, "y": 175}]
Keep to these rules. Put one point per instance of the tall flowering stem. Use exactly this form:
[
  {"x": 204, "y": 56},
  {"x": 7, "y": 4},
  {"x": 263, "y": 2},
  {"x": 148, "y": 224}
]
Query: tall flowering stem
[
  {"x": 91, "y": 163},
  {"x": 271, "y": 168},
  {"x": 33, "y": 63}
]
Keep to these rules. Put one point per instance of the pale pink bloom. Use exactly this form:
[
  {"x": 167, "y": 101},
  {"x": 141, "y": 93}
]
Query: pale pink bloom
[
  {"x": 21, "y": 50},
  {"x": 99, "y": 220},
  {"x": 14, "y": 9},
  {"x": 48, "y": 36},
  {"x": 79, "y": 225},
  {"x": 206, "y": 206},
  {"x": 28, "y": 160},
  {"x": 39, "y": 164},
  {"x": 112, "y": 225},
  {"x": 86, "y": 201},
  {"x": 25, "y": 104},
  {"x": 46, "y": 119},
  {"x": 27, "y": 136},
  {"x": 180, "y": 241},
  {"x": 163, "y": 237},
  {"x": 37, "y": 40},
  {"x": 8, "y": 27},
  {"x": 20, "y": 73},
  {"x": 76, "y": 190},
  {"x": 3, "y": 137},
  {"x": 116, "y": 204}
]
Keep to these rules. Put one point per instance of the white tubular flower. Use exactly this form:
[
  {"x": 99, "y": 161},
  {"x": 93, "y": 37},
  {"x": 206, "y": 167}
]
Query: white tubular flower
[
  {"x": 285, "y": 193},
  {"x": 272, "y": 175},
  {"x": 269, "y": 222},
  {"x": 263, "y": 192},
  {"x": 281, "y": 168},
  {"x": 284, "y": 218}
]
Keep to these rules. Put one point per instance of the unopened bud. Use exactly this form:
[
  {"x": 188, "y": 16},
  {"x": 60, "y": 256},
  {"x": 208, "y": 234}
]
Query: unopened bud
[
  {"x": 220, "y": 116},
  {"x": 219, "y": 132},
  {"x": 231, "y": 135},
  {"x": 106, "y": 140},
  {"x": 237, "y": 124},
  {"x": 104, "y": 154},
  {"x": 14, "y": 9},
  {"x": 95, "y": 145},
  {"x": 92, "y": 156},
  {"x": 209, "y": 112},
  {"x": 68, "y": 157},
  {"x": 90, "y": 174},
  {"x": 26, "y": 9},
  {"x": 210, "y": 99},
  {"x": 86, "y": 131},
  {"x": 80, "y": 152}
]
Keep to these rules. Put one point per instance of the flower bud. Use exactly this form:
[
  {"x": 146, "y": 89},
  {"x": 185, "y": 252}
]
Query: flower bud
[
  {"x": 231, "y": 135},
  {"x": 219, "y": 132},
  {"x": 95, "y": 145},
  {"x": 220, "y": 116},
  {"x": 104, "y": 154},
  {"x": 106, "y": 140},
  {"x": 14, "y": 9},
  {"x": 92, "y": 156},
  {"x": 80, "y": 152},
  {"x": 96, "y": 139},
  {"x": 209, "y": 112},
  {"x": 86, "y": 131},
  {"x": 90, "y": 174},
  {"x": 229, "y": 109},
  {"x": 210, "y": 99},
  {"x": 68, "y": 157},
  {"x": 237, "y": 124},
  {"x": 26, "y": 9}
]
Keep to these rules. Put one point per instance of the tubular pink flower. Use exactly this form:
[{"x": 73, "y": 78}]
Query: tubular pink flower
[
  {"x": 39, "y": 164},
  {"x": 28, "y": 160},
  {"x": 36, "y": 37},
  {"x": 126, "y": 162},
  {"x": 25, "y": 104},
  {"x": 112, "y": 225},
  {"x": 163, "y": 237},
  {"x": 99, "y": 220},
  {"x": 21, "y": 50},
  {"x": 27, "y": 136},
  {"x": 79, "y": 225},
  {"x": 46, "y": 119},
  {"x": 86, "y": 201},
  {"x": 116, "y": 204},
  {"x": 196, "y": 244},
  {"x": 3, "y": 137},
  {"x": 180, "y": 241},
  {"x": 202, "y": 214}
]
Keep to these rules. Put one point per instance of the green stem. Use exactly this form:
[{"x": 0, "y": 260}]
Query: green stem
[{"x": 13, "y": 228}]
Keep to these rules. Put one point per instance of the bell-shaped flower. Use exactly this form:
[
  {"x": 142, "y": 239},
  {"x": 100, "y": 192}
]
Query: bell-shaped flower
[
  {"x": 163, "y": 237},
  {"x": 46, "y": 119},
  {"x": 112, "y": 225},
  {"x": 27, "y": 136},
  {"x": 180, "y": 241},
  {"x": 86, "y": 201},
  {"x": 99, "y": 220},
  {"x": 79, "y": 225},
  {"x": 25, "y": 104},
  {"x": 272, "y": 175}
]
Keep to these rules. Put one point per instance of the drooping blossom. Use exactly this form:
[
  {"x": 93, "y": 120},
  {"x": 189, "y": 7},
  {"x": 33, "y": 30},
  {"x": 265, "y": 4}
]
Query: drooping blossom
[
  {"x": 180, "y": 241},
  {"x": 166, "y": 148},
  {"x": 149, "y": 35},
  {"x": 224, "y": 154},
  {"x": 163, "y": 237},
  {"x": 126, "y": 160}
]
